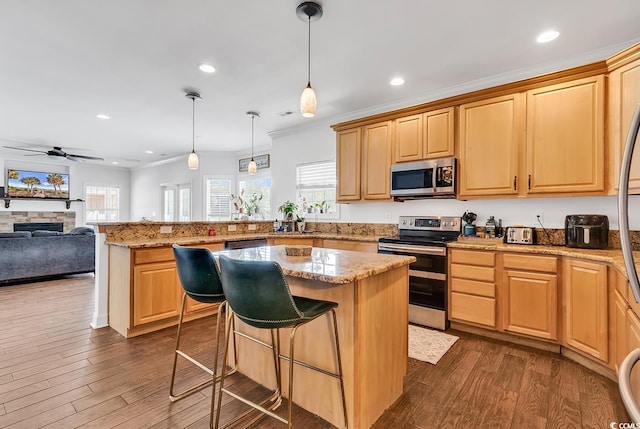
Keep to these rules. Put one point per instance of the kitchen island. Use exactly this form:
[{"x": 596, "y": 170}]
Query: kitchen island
[{"x": 372, "y": 293}]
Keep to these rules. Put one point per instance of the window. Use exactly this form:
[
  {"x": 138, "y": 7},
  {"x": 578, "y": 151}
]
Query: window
[
  {"x": 103, "y": 203},
  {"x": 218, "y": 198},
  {"x": 257, "y": 185},
  {"x": 316, "y": 187},
  {"x": 176, "y": 201}
]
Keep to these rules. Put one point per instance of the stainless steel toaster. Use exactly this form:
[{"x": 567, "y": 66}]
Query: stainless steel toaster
[{"x": 520, "y": 235}]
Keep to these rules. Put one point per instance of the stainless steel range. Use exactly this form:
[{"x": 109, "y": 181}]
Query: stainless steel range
[{"x": 425, "y": 237}]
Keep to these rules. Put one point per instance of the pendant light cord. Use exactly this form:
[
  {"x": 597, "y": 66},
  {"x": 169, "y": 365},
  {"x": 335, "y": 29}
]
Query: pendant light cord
[
  {"x": 193, "y": 125},
  {"x": 252, "y": 118},
  {"x": 309, "y": 57}
]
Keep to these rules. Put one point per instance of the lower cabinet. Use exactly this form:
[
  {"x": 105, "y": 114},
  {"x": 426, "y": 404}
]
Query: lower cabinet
[
  {"x": 529, "y": 295},
  {"x": 584, "y": 300},
  {"x": 156, "y": 292},
  {"x": 358, "y": 246},
  {"x": 472, "y": 296}
]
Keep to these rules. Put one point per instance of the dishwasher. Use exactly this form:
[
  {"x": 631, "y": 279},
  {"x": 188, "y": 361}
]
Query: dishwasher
[{"x": 243, "y": 244}]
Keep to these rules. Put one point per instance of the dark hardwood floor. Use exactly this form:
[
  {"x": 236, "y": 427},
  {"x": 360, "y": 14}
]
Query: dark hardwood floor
[{"x": 57, "y": 372}]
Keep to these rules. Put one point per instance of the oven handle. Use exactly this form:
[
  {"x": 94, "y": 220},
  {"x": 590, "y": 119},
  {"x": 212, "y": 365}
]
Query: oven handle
[
  {"x": 427, "y": 275},
  {"x": 409, "y": 248}
]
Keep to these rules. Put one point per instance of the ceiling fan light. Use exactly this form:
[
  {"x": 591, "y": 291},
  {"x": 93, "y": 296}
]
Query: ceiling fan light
[
  {"x": 308, "y": 102},
  {"x": 193, "y": 161},
  {"x": 253, "y": 167}
]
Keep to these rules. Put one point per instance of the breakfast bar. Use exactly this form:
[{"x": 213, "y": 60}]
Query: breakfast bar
[{"x": 372, "y": 293}]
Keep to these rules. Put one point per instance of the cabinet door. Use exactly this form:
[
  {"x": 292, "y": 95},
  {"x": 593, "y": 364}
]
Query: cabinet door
[
  {"x": 377, "y": 145},
  {"x": 156, "y": 292},
  {"x": 584, "y": 301},
  {"x": 438, "y": 139},
  {"x": 565, "y": 137},
  {"x": 490, "y": 136},
  {"x": 530, "y": 303},
  {"x": 634, "y": 343},
  {"x": 624, "y": 96},
  {"x": 348, "y": 154},
  {"x": 621, "y": 329},
  {"x": 409, "y": 138}
]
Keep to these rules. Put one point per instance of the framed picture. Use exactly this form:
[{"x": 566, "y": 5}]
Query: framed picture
[{"x": 262, "y": 161}]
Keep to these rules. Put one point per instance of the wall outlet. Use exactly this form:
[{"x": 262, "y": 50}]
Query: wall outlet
[
  {"x": 387, "y": 216},
  {"x": 231, "y": 228},
  {"x": 252, "y": 227},
  {"x": 166, "y": 229},
  {"x": 538, "y": 218}
]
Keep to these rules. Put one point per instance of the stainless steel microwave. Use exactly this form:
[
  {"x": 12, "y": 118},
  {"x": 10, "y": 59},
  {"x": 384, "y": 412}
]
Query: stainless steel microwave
[{"x": 434, "y": 178}]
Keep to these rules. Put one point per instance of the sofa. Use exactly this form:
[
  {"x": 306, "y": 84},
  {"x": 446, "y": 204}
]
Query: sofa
[{"x": 26, "y": 255}]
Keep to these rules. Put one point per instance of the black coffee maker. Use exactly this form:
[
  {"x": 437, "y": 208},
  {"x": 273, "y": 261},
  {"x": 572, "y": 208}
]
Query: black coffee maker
[{"x": 586, "y": 231}]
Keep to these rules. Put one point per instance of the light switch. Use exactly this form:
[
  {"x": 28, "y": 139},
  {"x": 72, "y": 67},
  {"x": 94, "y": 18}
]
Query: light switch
[
  {"x": 166, "y": 229},
  {"x": 231, "y": 228},
  {"x": 252, "y": 227}
]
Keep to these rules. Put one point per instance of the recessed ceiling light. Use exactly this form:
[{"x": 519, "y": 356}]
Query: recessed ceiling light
[
  {"x": 102, "y": 116},
  {"x": 547, "y": 36},
  {"x": 397, "y": 81},
  {"x": 114, "y": 162},
  {"x": 148, "y": 151},
  {"x": 207, "y": 68}
]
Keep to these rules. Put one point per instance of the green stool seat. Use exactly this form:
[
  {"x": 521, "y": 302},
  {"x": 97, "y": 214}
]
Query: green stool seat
[{"x": 258, "y": 294}]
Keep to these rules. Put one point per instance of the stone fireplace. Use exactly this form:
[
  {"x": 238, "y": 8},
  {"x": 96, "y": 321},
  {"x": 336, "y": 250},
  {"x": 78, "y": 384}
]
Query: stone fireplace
[{"x": 9, "y": 218}]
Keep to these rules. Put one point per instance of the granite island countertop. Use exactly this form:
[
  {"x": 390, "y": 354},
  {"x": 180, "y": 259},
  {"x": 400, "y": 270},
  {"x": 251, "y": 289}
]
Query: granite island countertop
[
  {"x": 168, "y": 241},
  {"x": 325, "y": 265}
]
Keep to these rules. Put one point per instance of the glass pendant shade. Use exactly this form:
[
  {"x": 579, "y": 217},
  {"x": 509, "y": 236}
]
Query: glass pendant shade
[
  {"x": 308, "y": 102},
  {"x": 193, "y": 161},
  {"x": 253, "y": 167}
]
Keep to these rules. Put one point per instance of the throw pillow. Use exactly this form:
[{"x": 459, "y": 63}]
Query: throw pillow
[
  {"x": 44, "y": 233},
  {"x": 82, "y": 230},
  {"x": 18, "y": 234}
]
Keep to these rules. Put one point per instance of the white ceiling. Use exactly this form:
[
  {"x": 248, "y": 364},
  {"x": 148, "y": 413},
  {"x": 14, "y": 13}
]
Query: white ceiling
[{"x": 65, "y": 61}]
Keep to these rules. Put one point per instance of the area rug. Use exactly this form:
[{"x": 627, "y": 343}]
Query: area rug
[{"x": 428, "y": 345}]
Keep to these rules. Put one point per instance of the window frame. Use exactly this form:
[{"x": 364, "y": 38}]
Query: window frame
[
  {"x": 177, "y": 187},
  {"x": 205, "y": 189},
  {"x": 86, "y": 199},
  {"x": 315, "y": 215}
]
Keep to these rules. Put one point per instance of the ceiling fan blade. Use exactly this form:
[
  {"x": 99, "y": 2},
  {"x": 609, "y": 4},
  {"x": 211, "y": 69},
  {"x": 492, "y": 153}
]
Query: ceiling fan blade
[
  {"x": 22, "y": 148},
  {"x": 80, "y": 157}
]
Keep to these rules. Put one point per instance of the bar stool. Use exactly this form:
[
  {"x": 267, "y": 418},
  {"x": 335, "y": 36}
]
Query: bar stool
[
  {"x": 259, "y": 295},
  {"x": 200, "y": 281}
]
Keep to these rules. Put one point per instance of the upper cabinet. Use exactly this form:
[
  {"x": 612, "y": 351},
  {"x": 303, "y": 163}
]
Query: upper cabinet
[
  {"x": 565, "y": 137},
  {"x": 490, "y": 133},
  {"x": 624, "y": 97},
  {"x": 425, "y": 135},
  {"x": 364, "y": 157}
]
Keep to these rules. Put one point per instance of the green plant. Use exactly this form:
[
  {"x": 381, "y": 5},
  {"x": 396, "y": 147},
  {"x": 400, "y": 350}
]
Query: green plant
[
  {"x": 288, "y": 208},
  {"x": 323, "y": 207},
  {"x": 252, "y": 203}
]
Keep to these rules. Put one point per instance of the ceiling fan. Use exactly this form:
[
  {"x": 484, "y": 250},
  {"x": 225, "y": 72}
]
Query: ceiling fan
[{"x": 57, "y": 151}]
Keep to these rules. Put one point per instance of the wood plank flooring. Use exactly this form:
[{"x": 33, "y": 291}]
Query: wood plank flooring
[{"x": 57, "y": 372}]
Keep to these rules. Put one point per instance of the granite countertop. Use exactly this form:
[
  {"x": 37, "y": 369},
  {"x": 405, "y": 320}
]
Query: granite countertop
[
  {"x": 611, "y": 256},
  {"x": 325, "y": 265},
  {"x": 168, "y": 241}
]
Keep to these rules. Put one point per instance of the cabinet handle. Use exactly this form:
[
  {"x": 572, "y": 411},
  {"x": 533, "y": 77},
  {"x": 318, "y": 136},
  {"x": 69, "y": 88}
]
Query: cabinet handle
[
  {"x": 515, "y": 183},
  {"x": 529, "y": 181}
]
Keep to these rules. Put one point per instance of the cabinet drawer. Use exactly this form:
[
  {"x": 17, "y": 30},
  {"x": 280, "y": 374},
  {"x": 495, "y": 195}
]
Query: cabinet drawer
[
  {"x": 527, "y": 262},
  {"x": 358, "y": 246},
  {"x": 147, "y": 256},
  {"x": 473, "y": 287},
  {"x": 474, "y": 309},
  {"x": 472, "y": 272},
  {"x": 473, "y": 257}
]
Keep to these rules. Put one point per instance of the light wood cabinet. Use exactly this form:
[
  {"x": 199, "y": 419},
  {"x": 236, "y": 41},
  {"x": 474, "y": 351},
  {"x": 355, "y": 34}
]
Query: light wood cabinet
[
  {"x": 145, "y": 292},
  {"x": 358, "y": 246},
  {"x": 155, "y": 295},
  {"x": 634, "y": 343},
  {"x": 490, "y": 133},
  {"x": 619, "y": 320},
  {"x": 565, "y": 137},
  {"x": 425, "y": 135},
  {"x": 377, "y": 152},
  {"x": 529, "y": 295},
  {"x": 472, "y": 287},
  {"x": 290, "y": 240},
  {"x": 584, "y": 302},
  {"x": 624, "y": 96},
  {"x": 364, "y": 156},
  {"x": 349, "y": 152}
]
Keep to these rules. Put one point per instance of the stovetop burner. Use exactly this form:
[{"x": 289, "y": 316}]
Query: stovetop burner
[{"x": 426, "y": 230}]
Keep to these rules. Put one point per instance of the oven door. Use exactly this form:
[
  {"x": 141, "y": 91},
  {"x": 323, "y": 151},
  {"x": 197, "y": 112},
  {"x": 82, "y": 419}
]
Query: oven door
[{"x": 412, "y": 179}]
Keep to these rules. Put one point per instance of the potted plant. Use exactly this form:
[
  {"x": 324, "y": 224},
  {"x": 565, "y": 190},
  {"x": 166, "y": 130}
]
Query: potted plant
[
  {"x": 288, "y": 208},
  {"x": 252, "y": 204},
  {"x": 323, "y": 207}
]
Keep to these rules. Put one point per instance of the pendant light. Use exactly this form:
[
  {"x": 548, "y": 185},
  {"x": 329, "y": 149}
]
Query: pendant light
[
  {"x": 253, "y": 167},
  {"x": 308, "y": 11},
  {"x": 193, "y": 161}
]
